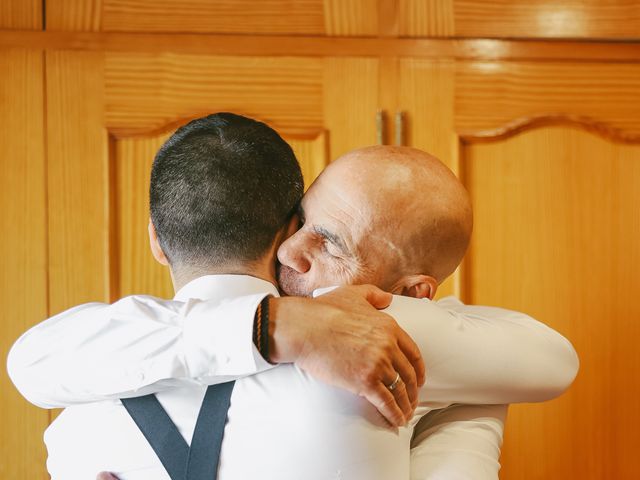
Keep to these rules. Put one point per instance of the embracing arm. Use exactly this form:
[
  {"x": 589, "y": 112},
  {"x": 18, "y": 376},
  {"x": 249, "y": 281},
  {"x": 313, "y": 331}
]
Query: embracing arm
[
  {"x": 459, "y": 442},
  {"x": 143, "y": 345},
  {"x": 135, "y": 346},
  {"x": 485, "y": 355}
]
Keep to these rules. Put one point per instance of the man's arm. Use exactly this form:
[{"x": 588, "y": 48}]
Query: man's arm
[
  {"x": 485, "y": 355},
  {"x": 98, "y": 351},
  {"x": 460, "y": 442},
  {"x": 142, "y": 345},
  {"x": 471, "y": 359}
]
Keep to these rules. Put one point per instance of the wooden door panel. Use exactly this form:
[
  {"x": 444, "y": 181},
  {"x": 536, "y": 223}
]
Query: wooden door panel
[
  {"x": 556, "y": 236},
  {"x": 313, "y": 155},
  {"x": 426, "y": 98},
  {"x": 78, "y": 196},
  {"x": 350, "y": 101},
  {"x": 136, "y": 270},
  {"x": 146, "y": 92},
  {"x": 493, "y": 95},
  {"x": 98, "y": 187},
  {"x": 23, "y": 277}
]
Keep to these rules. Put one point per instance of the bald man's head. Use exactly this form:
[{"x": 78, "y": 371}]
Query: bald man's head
[
  {"x": 393, "y": 212},
  {"x": 420, "y": 206}
]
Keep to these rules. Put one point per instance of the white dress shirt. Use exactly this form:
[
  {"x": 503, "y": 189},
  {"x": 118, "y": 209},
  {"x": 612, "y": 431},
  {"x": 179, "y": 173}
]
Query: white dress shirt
[{"x": 281, "y": 422}]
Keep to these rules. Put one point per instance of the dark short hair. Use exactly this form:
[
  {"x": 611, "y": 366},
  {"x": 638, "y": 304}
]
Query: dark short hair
[{"x": 222, "y": 186}]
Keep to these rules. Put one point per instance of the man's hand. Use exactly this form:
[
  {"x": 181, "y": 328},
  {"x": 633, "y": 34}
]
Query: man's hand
[
  {"x": 106, "y": 476},
  {"x": 342, "y": 339}
]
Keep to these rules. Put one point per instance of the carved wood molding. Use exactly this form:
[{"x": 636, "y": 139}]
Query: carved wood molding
[
  {"x": 528, "y": 123},
  {"x": 279, "y": 45}
]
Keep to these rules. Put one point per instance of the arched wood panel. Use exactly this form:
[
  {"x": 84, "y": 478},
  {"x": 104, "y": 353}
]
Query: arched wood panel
[
  {"x": 490, "y": 95},
  {"x": 556, "y": 236}
]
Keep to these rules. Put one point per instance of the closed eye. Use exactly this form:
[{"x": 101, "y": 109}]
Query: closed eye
[{"x": 330, "y": 239}]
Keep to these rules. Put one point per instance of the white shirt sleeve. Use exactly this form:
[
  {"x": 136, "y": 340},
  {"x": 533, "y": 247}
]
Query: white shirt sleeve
[
  {"x": 485, "y": 355},
  {"x": 143, "y": 345},
  {"x": 460, "y": 442},
  {"x": 136, "y": 346}
]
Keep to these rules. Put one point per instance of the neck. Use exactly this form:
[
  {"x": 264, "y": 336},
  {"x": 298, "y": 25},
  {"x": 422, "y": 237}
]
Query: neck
[{"x": 262, "y": 269}]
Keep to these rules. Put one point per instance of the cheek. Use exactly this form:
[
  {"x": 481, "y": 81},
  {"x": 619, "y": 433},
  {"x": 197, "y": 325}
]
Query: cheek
[
  {"x": 338, "y": 271},
  {"x": 357, "y": 273}
]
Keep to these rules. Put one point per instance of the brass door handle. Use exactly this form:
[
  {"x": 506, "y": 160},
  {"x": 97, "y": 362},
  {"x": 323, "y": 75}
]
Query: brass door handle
[
  {"x": 399, "y": 128},
  {"x": 380, "y": 127}
]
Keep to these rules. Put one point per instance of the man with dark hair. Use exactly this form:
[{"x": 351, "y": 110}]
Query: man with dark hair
[
  {"x": 283, "y": 423},
  {"x": 222, "y": 187}
]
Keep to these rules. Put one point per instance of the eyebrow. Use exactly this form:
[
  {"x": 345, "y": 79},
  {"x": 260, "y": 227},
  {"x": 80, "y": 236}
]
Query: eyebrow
[{"x": 332, "y": 237}]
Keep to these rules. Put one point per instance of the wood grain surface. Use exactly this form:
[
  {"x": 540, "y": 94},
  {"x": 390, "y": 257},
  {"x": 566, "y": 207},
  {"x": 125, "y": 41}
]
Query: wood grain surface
[
  {"x": 318, "y": 46},
  {"x": 350, "y": 100},
  {"x": 490, "y": 95},
  {"x": 584, "y": 19},
  {"x": 21, "y": 15},
  {"x": 556, "y": 235},
  {"x": 77, "y": 180},
  {"x": 221, "y": 16},
  {"x": 145, "y": 92},
  {"x": 23, "y": 277}
]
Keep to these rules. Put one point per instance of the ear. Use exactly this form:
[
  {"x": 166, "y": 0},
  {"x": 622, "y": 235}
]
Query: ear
[
  {"x": 416, "y": 286},
  {"x": 156, "y": 249}
]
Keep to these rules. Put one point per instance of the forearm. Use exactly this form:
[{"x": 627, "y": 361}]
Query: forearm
[
  {"x": 142, "y": 345},
  {"x": 136, "y": 346}
]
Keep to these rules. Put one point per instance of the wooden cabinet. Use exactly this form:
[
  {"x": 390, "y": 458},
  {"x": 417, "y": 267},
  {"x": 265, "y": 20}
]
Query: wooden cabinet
[
  {"x": 556, "y": 235},
  {"x": 545, "y": 135},
  {"x": 551, "y": 156},
  {"x": 117, "y": 109}
]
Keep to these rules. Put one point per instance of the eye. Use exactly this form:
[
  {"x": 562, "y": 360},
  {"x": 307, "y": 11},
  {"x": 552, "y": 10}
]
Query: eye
[{"x": 330, "y": 249}]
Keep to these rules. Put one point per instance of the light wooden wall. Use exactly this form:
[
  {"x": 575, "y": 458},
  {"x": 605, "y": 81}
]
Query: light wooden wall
[
  {"x": 23, "y": 199},
  {"x": 546, "y": 136}
]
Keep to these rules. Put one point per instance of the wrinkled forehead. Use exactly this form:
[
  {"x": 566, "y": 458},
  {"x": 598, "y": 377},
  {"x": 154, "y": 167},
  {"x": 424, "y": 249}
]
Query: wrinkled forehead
[
  {"x": 337, "y": 195},
  {"x": 354, "y": 207}
]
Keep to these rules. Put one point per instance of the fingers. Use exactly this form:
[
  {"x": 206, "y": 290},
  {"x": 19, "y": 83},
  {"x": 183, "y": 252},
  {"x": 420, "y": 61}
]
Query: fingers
[
  {"x": 384, "y": 401},
  {"x": 376, "y": 297},
  {"x": 402, "y": 399},
  {"x": 413, "y": 355},
  {"x": 409, "y": 384}
]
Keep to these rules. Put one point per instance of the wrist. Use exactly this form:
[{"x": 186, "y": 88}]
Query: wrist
[{"x": 285, "y": 342}]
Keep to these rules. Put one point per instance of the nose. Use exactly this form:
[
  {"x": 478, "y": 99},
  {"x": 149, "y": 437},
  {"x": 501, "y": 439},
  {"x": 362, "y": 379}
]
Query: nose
[{"x": 293, "y": 254}]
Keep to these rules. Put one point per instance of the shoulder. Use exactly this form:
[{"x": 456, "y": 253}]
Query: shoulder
[{"x": 409, "y": 309}]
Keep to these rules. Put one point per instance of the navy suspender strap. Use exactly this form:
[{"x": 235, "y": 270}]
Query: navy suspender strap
[
  {"x": 204, "y": 454},
  {"x": 198, "y": 462},
  {"x": 160, "y": 432}
]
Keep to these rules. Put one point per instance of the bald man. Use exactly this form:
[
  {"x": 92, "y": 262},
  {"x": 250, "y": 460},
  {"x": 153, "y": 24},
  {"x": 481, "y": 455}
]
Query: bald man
[
  {"x": 351, "y": 233},
  {"x": 395, "y": 217}
]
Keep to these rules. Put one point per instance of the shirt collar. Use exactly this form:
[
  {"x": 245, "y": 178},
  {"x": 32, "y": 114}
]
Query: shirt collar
[{"x": 218, "y": 287}]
